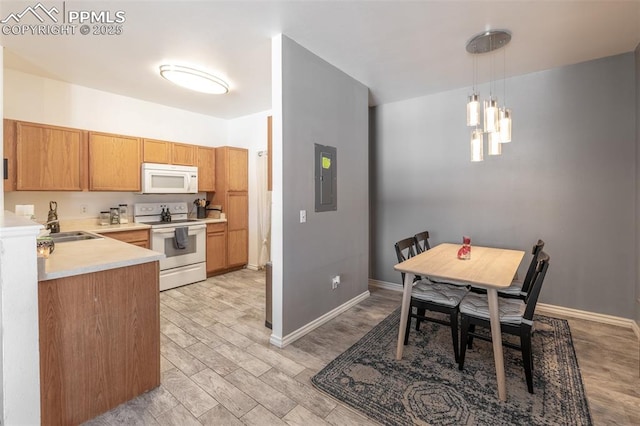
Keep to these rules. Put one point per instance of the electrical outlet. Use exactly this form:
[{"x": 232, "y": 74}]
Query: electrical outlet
[
  {"x": 335, "y": 282},
  {"x": 303, "y": 216},
  {"x": 84, "y": 208}
]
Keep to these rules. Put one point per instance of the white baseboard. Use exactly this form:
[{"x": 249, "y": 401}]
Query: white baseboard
[
  {"x": 292, "y": 337},
  {"x": 549, "y": 309},
  {"x": 253, "y": 267},
  {"x": 385, "y": 285}
]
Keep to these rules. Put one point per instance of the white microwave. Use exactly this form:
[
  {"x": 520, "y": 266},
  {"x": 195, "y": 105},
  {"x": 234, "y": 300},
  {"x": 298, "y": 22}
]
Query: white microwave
[{"x": 169, "y": 179}]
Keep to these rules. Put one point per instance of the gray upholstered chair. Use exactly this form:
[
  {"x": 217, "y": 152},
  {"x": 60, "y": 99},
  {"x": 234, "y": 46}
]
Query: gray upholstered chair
[
  {"x": 430, "y": 296},
  {"x": 519, "y": 290},
  {"x": 516, "y": 317}
]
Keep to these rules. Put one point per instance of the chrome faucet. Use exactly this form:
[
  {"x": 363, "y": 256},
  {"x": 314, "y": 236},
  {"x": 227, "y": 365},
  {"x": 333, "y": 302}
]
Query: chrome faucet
[
  {"x": 52, "y": 219},
  {"x": 53, "y": 226}
]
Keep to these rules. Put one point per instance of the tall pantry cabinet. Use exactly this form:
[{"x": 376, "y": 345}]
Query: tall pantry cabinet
[{"x": 232, "y": 186}]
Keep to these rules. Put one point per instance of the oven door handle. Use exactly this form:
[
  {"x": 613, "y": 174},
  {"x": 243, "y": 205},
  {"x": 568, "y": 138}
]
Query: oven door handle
[{"x": 172, "y": 230}]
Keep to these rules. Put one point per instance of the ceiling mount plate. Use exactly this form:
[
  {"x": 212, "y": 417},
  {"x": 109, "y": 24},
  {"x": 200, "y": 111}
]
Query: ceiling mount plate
[{"x": 488, "y": 41}]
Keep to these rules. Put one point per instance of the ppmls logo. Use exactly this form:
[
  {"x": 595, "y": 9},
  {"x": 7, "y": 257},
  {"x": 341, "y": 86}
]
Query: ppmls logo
[
  {"x": 38, "y": 11},
  {"x": 41, "y": 20}
]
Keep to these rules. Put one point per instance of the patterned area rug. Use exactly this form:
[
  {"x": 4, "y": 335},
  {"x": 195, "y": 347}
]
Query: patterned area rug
[{"x": 426, "y": 387}]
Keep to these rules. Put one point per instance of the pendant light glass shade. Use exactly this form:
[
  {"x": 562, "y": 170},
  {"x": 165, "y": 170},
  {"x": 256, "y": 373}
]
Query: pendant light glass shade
[
  {"x": 505, "y": 125},
  {"x": 473, "y": 110},
  {"x": 491, "y": 115},
  {"x": 494, "y": 146},
  {"x": 477, "y": 145}
]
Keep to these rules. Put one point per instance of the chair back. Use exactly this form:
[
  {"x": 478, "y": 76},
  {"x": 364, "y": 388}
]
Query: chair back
[
  {"x": 404, "y": 251},
  {"x": 528, "y": 279},
  {"x": 538, "y": 278},
  {"x": 421, "y": 241}
]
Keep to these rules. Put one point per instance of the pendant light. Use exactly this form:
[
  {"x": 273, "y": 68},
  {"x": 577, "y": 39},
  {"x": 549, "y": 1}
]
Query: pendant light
[
  {"x": 477, "y": 145},
  {"x": 496, "y": 120},
  {"x": 505, "y": 113},
  {"x": 505, "y": 125},
  {"x": 473, "y": 105},
  {"x": 491, "y": 115},
  {"x": 473, "y": 110},
  {"x": 494, "y": 145}
]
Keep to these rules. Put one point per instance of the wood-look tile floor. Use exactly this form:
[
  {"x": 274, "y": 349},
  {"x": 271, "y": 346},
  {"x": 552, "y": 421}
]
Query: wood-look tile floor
[{"x": 218, "y": 368}]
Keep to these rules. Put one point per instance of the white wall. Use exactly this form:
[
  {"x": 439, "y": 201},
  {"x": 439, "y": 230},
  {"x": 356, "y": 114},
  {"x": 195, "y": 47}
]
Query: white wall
[
  {"x": 251, "y": 132},
  {"x": 31, "y": 98}
]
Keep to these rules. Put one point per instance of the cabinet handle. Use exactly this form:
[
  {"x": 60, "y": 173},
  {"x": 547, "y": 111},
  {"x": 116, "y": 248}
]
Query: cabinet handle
[{"x": 5, "y": 168}]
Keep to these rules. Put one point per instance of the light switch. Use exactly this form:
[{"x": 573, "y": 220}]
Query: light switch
[{"x": 303, "y": 216}]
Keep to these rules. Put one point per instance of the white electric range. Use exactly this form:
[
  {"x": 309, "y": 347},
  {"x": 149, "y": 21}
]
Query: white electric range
[{"x": 181, "y": 266}]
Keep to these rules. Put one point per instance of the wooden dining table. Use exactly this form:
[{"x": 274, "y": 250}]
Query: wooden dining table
[{"x": 489, "y": 268}]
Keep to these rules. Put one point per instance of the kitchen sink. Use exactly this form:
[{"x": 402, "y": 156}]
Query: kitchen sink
[{"x": 64, "y": 237}]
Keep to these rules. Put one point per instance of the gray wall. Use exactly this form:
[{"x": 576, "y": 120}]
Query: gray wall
[
  {"x": 330, "y": 108},
  {"x": 568, "y": 177},
  {"x": 637, "y": 75}
]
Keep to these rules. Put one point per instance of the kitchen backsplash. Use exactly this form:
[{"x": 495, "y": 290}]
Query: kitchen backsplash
[{"x": 72, "y": 204}]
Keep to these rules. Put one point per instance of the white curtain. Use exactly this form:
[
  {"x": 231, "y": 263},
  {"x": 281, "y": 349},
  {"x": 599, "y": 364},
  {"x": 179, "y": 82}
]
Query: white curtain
[{"x": 264, "y": 211}]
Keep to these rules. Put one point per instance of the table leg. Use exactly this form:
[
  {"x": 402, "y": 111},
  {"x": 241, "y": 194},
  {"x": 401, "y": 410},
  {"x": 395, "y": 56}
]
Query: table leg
[
  {"x": 404, "y": 311},
  {"x": 496, "y": 338}
]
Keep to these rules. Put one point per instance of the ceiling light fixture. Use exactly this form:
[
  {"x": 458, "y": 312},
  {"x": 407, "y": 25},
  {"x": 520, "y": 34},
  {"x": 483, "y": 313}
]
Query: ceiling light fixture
[
  {"x": 496, "y": 120},
  {"x": 193, "y": 79}
]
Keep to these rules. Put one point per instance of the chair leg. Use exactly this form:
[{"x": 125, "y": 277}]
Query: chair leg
[
  {"x": 469, "y": 343},
  {"x": 454, "y": 333},
  {"x": 464, "y": 329},
  {"x": 408, "y": 328},
  {"x": 421, "y": 312},
  {"x": 527, "y": 358}
]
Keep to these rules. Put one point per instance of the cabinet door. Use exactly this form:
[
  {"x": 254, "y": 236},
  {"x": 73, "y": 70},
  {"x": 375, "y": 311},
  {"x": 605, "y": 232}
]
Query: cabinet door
[
  {"x": 206, "y": 169},
  {"x": 138, "y": 237},
  {"x": 216, "y": 252},
  {"x": 238, "y": 159},
  {"x": 154, "y": 151},
  {"x": 9, "y": 167},
  {"x": 48, "y": 158},
  {"x": 114, "y": 162},
  {"x": 238, "y": 247},
  {"x": 237, "y": 224},
  {"x": 183, "y": 154},
  {"x": 237, "y": 211}
]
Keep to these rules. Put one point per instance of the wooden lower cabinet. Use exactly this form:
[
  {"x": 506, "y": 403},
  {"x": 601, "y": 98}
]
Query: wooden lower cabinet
[
  {"x": 238, "y": 255},
  {"x": 138, "y": 237},
  {"x": 99, "y": 341},
  {"x": 237, "y": 229},
  {"x": 216, "y": 248}
]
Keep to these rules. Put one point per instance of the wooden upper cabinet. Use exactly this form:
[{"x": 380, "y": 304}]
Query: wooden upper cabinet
[
  {"x": 183, "y": 154},
  {"x": 163, "y": 152},
  {"x": 232, "y": 169},
  {"x": 9, "y": 146},
  {"x": 206, "y": 169},
  {"x": 154, "y": 151},
  {"x": 238, "y": 169},
  {"x": 49, "y": 158},
  {"x": 114, "y": 162}
]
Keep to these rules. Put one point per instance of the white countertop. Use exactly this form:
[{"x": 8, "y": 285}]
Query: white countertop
[
  {"x": 92, "y": 225},
  {"x": 87, "y": 256},
  {"x": 83, "y": 257}
]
